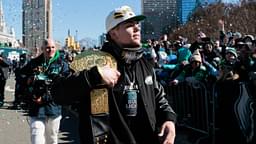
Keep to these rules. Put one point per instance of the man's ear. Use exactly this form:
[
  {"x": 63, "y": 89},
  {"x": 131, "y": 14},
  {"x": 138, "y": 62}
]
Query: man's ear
[{"x": 113, "y": 34}]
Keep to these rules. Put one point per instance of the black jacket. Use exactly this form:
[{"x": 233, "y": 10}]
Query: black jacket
[
  {"x": 77, "y": 87},
  {"x": 4, "y": 68},
  {"x": 33, "y": 70}
]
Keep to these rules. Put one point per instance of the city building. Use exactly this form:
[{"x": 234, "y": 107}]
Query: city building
[
  {"x": 7, "y": 34},
  {"x": 71, "y": 44},
  {"x": 240, "y": 1},
  {"x": 232, "y": 1},
  {"x": 165, "y": 15},
  {"x": 161, "y": 18},
  {"x": 186, "y": 8},
  {"x": 37, "y": 23},
  {"x": 102, "y": 39}
]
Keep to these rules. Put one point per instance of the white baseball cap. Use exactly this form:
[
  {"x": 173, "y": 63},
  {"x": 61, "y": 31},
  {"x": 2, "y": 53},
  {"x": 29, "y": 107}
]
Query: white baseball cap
[{"x": 120, "y": 15}]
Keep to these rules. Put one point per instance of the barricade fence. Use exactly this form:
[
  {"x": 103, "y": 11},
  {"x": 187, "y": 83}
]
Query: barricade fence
[{"x": 194, "y": 104}]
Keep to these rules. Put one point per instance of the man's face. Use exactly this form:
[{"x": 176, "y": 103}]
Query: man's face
[
  {"x": 127, "y": 34},
  {"x": 195, "y": 64},
  {"x": 208, "y": 47},
  {"x": 230, "y": 57},
  {"x": 49, "y": 49}
]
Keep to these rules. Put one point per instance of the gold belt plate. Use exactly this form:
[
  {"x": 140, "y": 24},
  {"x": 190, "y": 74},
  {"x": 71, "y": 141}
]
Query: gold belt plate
[
  {"x": 91, "y": 58},
  {"x": 87, "y": 60},
  {"x": 99, "y": 101}
]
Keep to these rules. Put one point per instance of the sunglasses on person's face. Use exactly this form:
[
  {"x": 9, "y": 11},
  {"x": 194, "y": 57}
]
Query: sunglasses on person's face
[{"x": 48, "y": 47}]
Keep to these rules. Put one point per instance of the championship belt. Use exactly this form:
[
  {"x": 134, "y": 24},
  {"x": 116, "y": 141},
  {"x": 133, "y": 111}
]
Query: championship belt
[{"x": 87, "y": 60}]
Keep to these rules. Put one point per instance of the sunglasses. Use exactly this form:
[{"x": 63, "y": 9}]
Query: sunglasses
[{"x": 50, "y": 47}]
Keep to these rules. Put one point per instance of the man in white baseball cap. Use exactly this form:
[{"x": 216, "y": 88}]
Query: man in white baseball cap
[
  {"x": 120, "y": 15},
  {"x": 123, "y": 30},
  {"x": 138, "y": 111},
  {"x": 138, "y": 123}
]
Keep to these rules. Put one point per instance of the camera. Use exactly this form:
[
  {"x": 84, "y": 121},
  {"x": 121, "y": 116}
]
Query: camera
[{"x": 41, "y": 88}]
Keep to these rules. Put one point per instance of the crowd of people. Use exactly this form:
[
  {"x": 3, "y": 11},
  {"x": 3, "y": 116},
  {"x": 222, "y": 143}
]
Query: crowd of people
[
  {"x": 137, "y": 110},
  {"x": 226, "y": 63}
]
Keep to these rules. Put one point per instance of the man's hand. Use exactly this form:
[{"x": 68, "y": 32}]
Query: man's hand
[
  {"x": 109, "y": 75},
  {"x": 168, "y": 130},
  {"x": 174, "y": 82},
  {"x": 221, "y": 24},
  {"x": 38, "y": 100}
]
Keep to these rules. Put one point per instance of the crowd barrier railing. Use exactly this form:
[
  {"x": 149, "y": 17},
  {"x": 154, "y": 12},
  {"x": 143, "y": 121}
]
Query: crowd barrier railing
[{"x": 194, "y": 104}]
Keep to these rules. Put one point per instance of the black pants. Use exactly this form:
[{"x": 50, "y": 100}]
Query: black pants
[{"x": 2, "y": 85}]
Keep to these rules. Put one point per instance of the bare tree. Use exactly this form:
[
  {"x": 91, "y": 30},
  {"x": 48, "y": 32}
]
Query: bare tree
[{"x": 237, "y": 18}]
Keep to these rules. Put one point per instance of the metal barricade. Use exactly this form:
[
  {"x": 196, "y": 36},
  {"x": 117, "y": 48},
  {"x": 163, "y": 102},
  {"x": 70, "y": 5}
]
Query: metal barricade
[{"x": 194, "y": 105}]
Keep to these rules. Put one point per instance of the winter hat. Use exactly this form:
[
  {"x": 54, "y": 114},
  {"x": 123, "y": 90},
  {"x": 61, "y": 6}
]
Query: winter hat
[
  {"x": 231, "y": 50},
  {"x": 120, "y": 15},
  {"x": 237, "y": 34},
  {"x": 183, "y": 54},
  {"x": 248, "y": 38},
  {"x": 196, "y": 56}
]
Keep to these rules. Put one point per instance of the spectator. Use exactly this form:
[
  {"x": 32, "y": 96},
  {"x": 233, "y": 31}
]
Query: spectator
[
  {"x": 20, "y": 83},
  {"x": 227, "y": 93},
  {"x": 40, "y": 73},
  {"x": 4, "y": 68},
  {"x": 150, "y": 52},
  {"x": 229, "y": 66},
  {"x": 193, "y": 71},
  {"x": 197, "y": 44},
  {"x": 183, "y": 56},
  {"x": 211, "y": 59}
]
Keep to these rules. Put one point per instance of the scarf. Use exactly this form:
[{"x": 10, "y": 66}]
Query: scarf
[
  {"x": 128, "y": 55},
  {"x": 131, "y": 54}
]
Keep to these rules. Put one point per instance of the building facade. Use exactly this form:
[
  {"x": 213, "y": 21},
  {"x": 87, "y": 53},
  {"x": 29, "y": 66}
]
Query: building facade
[
  {"x": 36, "y": 23},
  {"x": 161, "y": 18},
  {"x": 165, "y": 15},
  {"x": 186, "y": 8},
  {"x": 7, "y": 34},
  {"x": 102, "y": 39}
]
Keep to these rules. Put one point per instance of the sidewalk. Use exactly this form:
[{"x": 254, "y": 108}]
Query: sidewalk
[{"x": 14, "y": 128}]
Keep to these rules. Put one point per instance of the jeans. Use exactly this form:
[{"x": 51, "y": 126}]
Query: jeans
[{"x": 44, "y": 130}]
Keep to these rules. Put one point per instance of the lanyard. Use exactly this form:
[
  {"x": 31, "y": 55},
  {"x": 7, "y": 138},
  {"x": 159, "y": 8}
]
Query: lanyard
[{"x": 131, "y": 83}]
